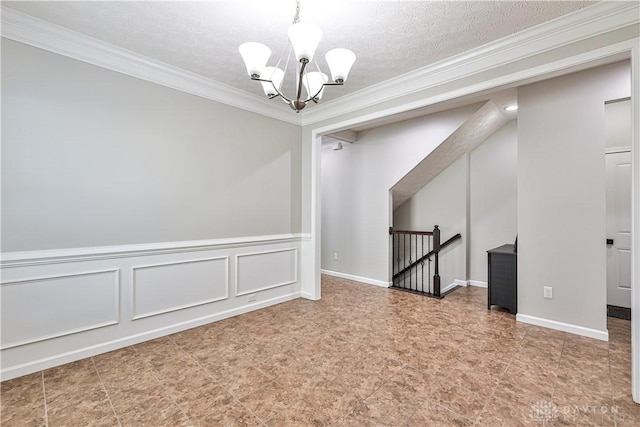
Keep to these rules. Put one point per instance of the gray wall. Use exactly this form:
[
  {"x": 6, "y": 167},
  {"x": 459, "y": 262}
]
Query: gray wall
[
  {"x": 355, "y": 189},
  {"x": 561, "y": 194},
  {"x": 442, "y": 202},
  {"x": 91, "y": 157},
  {"x": 493, "y": 211}
]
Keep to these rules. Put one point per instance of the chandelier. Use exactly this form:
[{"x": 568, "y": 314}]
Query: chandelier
[{"x": 303, "y": 41}]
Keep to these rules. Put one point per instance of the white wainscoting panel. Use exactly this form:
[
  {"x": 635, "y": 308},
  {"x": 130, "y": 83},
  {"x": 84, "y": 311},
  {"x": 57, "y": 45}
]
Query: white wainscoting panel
[
  {"x": 259, "y": 271},
  {"x": 42, "y": 308},
  {"x": 171, "y": 286},
  {"x": 63, "y": 305}
]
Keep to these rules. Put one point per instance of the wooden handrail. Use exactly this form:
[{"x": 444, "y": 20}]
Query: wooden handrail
[{"x": 415, "y": 233}]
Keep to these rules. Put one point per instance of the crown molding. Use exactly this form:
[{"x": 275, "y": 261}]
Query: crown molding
[
  {"x": 591, "y": 21},
  {"x": 36, "y": 32}
]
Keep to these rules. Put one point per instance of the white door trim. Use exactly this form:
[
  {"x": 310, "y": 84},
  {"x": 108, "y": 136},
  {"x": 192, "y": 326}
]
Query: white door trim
[{"x": 635, "y": 225}]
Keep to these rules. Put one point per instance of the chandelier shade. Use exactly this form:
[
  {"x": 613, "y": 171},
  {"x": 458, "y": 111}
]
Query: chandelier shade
[
  {"x": 303, "y": 40},
  {"x": 255, "y": 56},
  {"x": 340, "y": 61}
]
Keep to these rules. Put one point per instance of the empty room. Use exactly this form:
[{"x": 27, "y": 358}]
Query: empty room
[{"x": 305, "y": 213}]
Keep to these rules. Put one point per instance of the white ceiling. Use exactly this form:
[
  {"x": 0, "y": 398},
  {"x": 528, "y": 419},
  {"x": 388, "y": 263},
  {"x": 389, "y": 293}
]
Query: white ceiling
[{"x": 389, "y": 38}]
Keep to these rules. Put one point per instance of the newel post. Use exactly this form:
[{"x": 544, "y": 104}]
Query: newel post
[{"x": 436, "y": 250}]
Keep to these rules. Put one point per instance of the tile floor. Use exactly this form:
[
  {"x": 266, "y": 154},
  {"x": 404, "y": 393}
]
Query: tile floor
[{"x": 362, "y": 356}]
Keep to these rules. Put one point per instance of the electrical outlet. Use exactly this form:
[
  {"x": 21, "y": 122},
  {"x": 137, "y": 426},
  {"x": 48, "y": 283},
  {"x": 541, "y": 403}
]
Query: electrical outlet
[
  {"x": 252, "y": 297},
  {"x": 335, "y": 256},
  {"x": 548, "y": 292}
]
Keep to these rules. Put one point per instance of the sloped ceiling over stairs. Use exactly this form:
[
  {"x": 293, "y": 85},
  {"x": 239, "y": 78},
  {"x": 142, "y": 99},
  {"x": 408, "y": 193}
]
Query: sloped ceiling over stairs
[{"x": 473, "y": 132}]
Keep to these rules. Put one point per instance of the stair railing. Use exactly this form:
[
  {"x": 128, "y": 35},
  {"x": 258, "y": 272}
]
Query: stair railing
[{"x": 409, "y": 259}]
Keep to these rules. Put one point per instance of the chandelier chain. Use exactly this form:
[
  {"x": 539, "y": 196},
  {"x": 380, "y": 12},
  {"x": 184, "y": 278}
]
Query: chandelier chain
[{"x": 296, "y": 17}]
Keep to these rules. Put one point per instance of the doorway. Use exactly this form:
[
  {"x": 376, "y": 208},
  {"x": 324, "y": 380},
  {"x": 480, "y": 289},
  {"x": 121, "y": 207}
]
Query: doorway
[{"x": 312, "y": 247}]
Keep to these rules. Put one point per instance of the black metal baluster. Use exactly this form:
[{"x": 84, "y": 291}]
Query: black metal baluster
[
  {"x": 429, "y": 265},
  {"x": 393, "y": 256},
  {"x": 404, "y": 259},
  {"x": 422, "y": 265},
  {"x": 398, "y": 258},
  {"x": 398, "y": 254},
  {"x": 410, "y": 260},
  {"x": 414, "y": 252}
]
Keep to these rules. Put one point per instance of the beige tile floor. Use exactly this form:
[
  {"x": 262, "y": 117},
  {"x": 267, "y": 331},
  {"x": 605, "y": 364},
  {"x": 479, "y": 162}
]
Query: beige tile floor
[{"x": 361, "y": 356}]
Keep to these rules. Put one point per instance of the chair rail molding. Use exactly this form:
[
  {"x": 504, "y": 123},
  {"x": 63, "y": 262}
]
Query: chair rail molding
[{"x": 53, "y": 256}]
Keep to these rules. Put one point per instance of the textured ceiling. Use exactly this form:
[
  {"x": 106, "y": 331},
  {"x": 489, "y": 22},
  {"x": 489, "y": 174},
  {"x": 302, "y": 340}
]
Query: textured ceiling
[{"x": 389, "y": 38}]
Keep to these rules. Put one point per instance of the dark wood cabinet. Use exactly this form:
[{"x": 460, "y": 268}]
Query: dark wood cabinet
[{"x": 503, "y": 278}]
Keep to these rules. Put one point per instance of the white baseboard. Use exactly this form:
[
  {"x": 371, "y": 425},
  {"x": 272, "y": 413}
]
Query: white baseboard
[
  {"x": 361, "y": 279},
  {"x": 564, "y": 327},
  {"x": 455, "y": 284},
  {"x": 465, "y": 283},
  {"x": 309, "y": 296},
  {"x": 477, "y": 283},
  {"x": 449, "y": 287},
  {"x": 72, "y": 356}
]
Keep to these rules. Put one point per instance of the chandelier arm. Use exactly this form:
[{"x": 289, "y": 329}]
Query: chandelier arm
[
  {"x": 279, "y": 94},
  {"x": 295, "y": 104},
  {"x": 303, "y": 65},
  {"x": 314, "y": 97}
]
